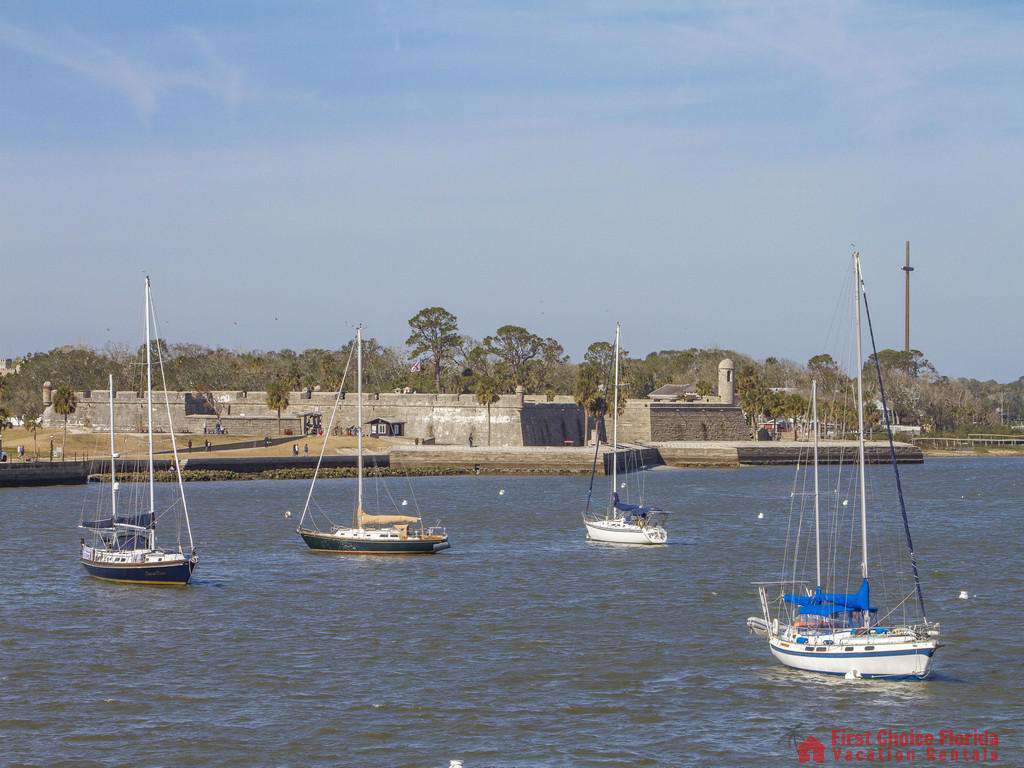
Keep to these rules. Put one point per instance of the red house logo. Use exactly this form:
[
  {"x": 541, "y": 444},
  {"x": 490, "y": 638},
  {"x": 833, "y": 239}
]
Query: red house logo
[{"x": 810, "y": 749}]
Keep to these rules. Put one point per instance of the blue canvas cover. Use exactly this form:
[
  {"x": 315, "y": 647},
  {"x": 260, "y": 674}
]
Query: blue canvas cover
[
  {"x": 830, "y": 603},
  {"x": 635, "y": 509}
]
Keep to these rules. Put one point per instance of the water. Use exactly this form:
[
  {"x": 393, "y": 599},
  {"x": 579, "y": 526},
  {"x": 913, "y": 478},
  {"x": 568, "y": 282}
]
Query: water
[{"x": 521, "y": 646}]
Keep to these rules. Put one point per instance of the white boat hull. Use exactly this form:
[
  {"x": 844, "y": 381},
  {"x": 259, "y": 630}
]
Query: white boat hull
[
  {"x": 901, "y": 659},
  {"x": 620, "y": 532}
]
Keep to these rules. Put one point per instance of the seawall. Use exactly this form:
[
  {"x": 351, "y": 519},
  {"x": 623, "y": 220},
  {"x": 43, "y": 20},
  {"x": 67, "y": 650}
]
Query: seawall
[{"x": 425, "y": 459}]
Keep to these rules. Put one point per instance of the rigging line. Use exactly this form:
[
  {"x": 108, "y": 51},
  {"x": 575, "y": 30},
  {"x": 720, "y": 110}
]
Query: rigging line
[
  {"x": 895, "y": 464},
  {"x": 170, "y": 426},
  {"x": 327, "y": 436},
  {"x": 598, "y": 425},
  {"x": 893, "y": 609}
]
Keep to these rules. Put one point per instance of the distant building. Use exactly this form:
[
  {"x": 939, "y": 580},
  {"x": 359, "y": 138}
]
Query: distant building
[
  {"x": 8, "y": 366},
  {"x": 384, "y": 428},
  {"x": 671, "y": 393}
]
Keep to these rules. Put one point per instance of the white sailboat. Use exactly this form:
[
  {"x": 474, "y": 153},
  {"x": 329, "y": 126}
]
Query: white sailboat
[
  {"x": 123, "y": 547},
  {"x": 623, "y": 523},
  {"x": 370, "y": 534},
  {"x": 841, "y": 632}
]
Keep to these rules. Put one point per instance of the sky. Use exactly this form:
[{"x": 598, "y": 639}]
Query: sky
[{"x": 699, "y": 171}]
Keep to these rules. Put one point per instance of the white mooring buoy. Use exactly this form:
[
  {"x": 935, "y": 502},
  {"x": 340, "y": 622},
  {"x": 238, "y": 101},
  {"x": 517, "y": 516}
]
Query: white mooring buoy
[
  {"x": 963, "y": 594},
  {"x": 760, "y": 515},
  {"x": 405, "y": 503},
  {"x": 287, "y": 514},
  {"x": 501, "y": 492}
]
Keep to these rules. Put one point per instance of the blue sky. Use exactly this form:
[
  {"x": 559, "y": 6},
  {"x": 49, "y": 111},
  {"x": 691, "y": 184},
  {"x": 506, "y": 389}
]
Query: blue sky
[{"x": 696, "y": 170}]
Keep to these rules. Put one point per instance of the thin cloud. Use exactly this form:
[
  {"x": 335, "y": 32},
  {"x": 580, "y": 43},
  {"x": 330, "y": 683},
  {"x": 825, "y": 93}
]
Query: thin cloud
[{"x": 140, "y": 83}]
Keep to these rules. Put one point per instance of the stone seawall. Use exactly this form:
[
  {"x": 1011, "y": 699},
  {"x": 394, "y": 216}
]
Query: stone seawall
[{"x": 753, "y": 453}]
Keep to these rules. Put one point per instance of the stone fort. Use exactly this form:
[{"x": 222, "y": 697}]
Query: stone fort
[{"x": 515, "y": 420}]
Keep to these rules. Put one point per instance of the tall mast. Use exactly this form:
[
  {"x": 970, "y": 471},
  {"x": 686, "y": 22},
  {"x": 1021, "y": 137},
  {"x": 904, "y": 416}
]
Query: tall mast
[
  {"x": 615, "y": 420},
  {"x": 359, "y": 424},
  {"x": 149, "y": 410},
  {"x": 860, "y": 423},
  {"x": 817, "y": 529},
  {"x": 113, "y": 453}
]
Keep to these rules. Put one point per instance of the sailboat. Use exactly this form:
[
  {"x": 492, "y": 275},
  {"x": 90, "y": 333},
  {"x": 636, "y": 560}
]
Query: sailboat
[
  {"x": 369, "y": 534},
  {"x": 814, "y": 629},
  {"x": 123, "y": 546},
  {"x": 622, "y": 523}
]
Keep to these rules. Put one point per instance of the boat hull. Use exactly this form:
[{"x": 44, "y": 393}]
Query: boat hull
[
  {"x": 341, "y": 545},
  {"x": 625, "y": 535},
  {"x": 176, "y": 574},
  {"x": 906, "y": 660}
]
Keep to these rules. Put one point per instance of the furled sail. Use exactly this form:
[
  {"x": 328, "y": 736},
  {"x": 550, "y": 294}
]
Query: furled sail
[
  {"x": 622, "y": 506},
  {"x": 142, "y": 520},
  {"x": 828, "y": 603},
  {"x": 365, "y": 519}
]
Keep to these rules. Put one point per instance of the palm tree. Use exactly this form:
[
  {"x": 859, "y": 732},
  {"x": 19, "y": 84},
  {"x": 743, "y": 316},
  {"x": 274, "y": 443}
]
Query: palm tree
[
  {"x": 487, "y": 393},
  {"x": 587, "y": 388},
  {"x": 64, "y": 404},
  {"x": 277, "y": 399},
  {"x": 33, "y": 424}
]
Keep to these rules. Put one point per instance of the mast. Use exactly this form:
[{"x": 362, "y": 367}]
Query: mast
[
  {"x": 359, "y": 424},
  {"x": 860, "y": 426},
  {"x": 615, "y": 423},
  {"x": 170, "y": 428},
  {"x": 113, "y": 453},
  {"x": 149, "y": 414},
  {"x": 817, "y": 530}
]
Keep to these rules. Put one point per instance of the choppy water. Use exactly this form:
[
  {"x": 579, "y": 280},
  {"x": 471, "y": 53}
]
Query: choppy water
[{"x": 521, "y": 646}]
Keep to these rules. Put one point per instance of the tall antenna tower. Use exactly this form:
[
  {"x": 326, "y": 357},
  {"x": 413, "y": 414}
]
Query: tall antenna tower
[{"x": 907, "y": 269}]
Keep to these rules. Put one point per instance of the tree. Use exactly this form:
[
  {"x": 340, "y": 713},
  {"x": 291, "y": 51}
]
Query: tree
[
  {"x": 64, "y": 404},
  {"x": 755, "y": 396},
  {"x": 32, "y": 419},
  {"x": 705, "y": 388},
  {"x": 4, "y": 423},
  {"x": 600, "y": 354},
  {"x": 587, "y": 394},
  {"x": 435, "y": 330},
  {"x": 514, "y": 347},
  {"x": 487, "y": 393},
  {"x": 277, "y": 399}
]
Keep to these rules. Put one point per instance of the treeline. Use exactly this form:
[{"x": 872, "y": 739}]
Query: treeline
[{"x": 438, "y": 357}]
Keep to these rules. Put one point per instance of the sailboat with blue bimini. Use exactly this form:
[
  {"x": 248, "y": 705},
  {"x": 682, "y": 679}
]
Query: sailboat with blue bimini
[
  {"x": 122, "y": 543},
  {"x": 621, "y": 522},
  {"x": 370, "y": 534},
  {"x": 827, "y": 626}
]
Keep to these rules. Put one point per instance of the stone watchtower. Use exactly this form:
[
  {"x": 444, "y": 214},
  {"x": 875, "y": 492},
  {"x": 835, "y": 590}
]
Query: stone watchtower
[
  {"x": 47, "y": 394},
  {"x": 726, "y": 382}
]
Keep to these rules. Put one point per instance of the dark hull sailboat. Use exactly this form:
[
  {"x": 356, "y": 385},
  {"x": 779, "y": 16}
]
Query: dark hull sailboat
[
  {"x": 370, "y": 534},
  {"x": 373, "y": 545},
  {"x": 174, "y": 574},
  {"x": 123, "y": 547}
]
